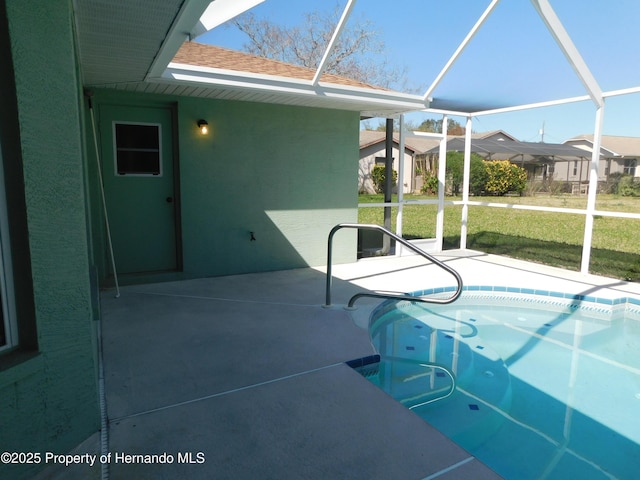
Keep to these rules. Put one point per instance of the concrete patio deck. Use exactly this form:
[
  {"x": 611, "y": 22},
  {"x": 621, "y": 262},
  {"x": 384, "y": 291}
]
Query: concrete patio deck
[{"x": 245, "y": 375}]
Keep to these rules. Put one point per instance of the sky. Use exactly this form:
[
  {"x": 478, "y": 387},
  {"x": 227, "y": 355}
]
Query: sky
[{"x": 512, "y": 60}]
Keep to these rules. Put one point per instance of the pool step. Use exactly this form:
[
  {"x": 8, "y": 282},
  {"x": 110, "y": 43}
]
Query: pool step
[{"x": 410, "y": 345}]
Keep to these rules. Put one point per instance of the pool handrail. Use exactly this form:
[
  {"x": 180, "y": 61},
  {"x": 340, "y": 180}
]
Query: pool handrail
[
  {"x": 406, "y": 243},
  {"x": 435, "y": 366}
]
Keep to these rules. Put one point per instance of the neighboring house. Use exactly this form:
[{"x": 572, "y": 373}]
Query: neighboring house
[
  {"x": 427, "y": 158},
  {"x": 418, "y": 158},
  {"x": 373, "y": 152},
  {"x": 278, "y": 165},
  {"x": 543, "y": 161},
  {"x": 618, "y": 155}
]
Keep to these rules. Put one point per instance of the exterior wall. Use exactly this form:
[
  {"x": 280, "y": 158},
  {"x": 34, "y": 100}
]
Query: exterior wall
[
  {"x": 616, "y": 164},
  {"x": 499, "y": 136},
  {"x": 564, "y": 171},
  {"x": 48, "y": 396},
  {"x": 285, "y": 173},
  {"x": 368, "y": 160}
]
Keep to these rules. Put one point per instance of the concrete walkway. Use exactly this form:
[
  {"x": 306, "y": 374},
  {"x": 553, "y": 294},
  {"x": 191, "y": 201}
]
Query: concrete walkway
[{"x": 243, "y": 377}]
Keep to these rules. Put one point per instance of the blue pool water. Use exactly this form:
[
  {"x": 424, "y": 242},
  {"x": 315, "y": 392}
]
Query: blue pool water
[{"x": 547, "y": 386}]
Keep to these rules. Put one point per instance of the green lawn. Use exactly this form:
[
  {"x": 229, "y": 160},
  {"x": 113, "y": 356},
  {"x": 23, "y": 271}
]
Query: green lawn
[{"x": 550, "y": 238}]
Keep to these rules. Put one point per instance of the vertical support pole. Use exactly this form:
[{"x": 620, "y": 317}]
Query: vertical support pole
[
  {"x": 388, "y": 183},
  {"x": 442, "y": 172},
  {"x": 465, "y": 184},
  {"x": 400, "y": 182},
  {"x": 593, "y": 190}
]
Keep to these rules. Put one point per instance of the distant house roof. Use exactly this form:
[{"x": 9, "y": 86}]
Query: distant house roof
[
  {"x": 425, "y": 145},
  {"x": 498, "y": 134},
  {"x": 199, "y": 54},
  {"x": 523, "y": 150},
  {"x": 373, "y": 137},
  {"x": 618, "y": 146}
]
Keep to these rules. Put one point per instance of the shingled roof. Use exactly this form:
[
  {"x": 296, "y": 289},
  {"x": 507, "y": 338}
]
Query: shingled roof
[
  {"x": 201, "y": 55},
  {"x": 617, "y": 145}
]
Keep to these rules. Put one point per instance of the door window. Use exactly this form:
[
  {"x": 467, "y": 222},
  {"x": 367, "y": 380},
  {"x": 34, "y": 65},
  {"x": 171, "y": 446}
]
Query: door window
[{"x": 137, "y": 149}]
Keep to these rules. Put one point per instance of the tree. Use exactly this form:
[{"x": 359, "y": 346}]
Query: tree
[
  {"x": 359, "y": 52},
  {"x": 430, "y": 125},
  {"x": 455, "y": 173},
  {"x": 435, "y": 126}
]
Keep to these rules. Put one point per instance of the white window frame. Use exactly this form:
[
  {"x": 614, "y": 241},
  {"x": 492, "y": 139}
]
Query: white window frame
[
  {"x": 6, "y": 271},
  {"x": 115, "y": 149},
  {"x": 629, "y": 166}
]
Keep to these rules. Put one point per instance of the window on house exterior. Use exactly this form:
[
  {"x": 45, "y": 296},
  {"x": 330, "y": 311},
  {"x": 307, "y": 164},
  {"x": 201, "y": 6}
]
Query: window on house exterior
[
  {"x": 137, "y": 149},
  {"x": 575, "y": 168},
  {"x": 607, "y": 168},
  {"x": 8, "y": 328},
  {"x": 630, "y": 167},
  {"x": 3, "y": 328},
  {"x": 18, "y": 329},
  {"x": 382, "y": 160}
]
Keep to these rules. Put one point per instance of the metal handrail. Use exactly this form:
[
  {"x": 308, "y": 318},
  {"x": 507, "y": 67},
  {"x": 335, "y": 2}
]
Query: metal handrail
[
  {"x": 427, "y": 365},
  {"x": 404, "y": 242}
]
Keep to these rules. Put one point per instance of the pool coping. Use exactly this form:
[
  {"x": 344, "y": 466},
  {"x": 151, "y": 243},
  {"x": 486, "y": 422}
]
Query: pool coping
[{"x": 631, "y": 305}]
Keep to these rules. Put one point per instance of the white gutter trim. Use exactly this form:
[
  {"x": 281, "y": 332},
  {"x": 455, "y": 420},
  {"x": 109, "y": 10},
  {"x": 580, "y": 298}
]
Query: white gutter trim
[
  {"x": 460, "y": 49},
  {"x": 212, "y": 77},
  {"x": 325, "y": 58}
]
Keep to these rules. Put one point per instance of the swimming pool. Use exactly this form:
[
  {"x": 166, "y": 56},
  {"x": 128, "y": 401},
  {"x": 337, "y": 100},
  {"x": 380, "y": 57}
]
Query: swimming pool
[{"x": 536, "y": 384}]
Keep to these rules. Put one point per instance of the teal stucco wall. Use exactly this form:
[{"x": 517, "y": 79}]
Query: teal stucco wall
[
  {"x": 287, "y": 174},
  {"x": 48, "y": 402}
]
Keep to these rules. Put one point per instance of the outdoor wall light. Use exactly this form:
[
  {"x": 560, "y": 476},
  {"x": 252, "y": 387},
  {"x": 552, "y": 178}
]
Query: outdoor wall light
[{"x": 203, "y": 126}]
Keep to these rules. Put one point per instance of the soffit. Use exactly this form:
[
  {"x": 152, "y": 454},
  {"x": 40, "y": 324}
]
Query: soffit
[
  {"x": 118, "y": 40},
  {"x": 126, "y": 45}
]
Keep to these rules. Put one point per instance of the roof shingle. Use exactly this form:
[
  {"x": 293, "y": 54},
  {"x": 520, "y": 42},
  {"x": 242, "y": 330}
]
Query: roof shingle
[
  {"x": 623, "y": 146},
  {"x": 201, "y": 55}
]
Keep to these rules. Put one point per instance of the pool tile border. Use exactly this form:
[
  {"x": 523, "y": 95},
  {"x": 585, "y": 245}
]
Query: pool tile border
[{"x": 630, "y": 305}]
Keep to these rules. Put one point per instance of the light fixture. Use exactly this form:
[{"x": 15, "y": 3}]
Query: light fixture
[{"x": 203, "y": 126}]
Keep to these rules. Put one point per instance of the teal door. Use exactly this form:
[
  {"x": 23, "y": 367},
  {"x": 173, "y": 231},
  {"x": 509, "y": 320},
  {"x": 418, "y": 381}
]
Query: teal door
[{"x": 137, "y": 169}]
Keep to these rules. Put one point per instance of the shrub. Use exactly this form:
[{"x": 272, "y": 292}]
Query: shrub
[
  {"x": 504, "y": 177},
  {"x": 612, "y": 182},
  {"x": 378, "y": 177},
  {"x": 430, "y": 184},
  {"x": 534, "y": 188},
  {"x": 628, "y": 187},
  {"x": 478, "y": 175},
  {"x": 454, "y": 171}
]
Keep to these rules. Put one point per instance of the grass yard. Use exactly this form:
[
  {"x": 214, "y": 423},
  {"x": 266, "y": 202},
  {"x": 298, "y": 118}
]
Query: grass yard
[{"x": 549, "y": 238}]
